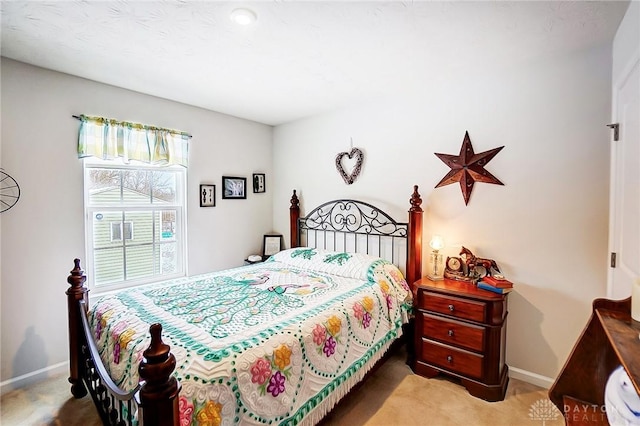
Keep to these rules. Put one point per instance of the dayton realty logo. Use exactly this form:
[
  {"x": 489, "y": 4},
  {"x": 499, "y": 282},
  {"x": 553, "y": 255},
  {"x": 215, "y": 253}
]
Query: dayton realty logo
[
  {"x": 585, "y": 413},
  {"x": 543, "y": 410}
]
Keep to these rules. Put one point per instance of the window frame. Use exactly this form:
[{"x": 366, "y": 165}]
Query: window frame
[{"x": 90, "y": 211}]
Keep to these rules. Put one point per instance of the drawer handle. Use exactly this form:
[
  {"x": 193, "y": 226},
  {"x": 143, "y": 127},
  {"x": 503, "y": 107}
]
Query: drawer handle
[
  {"x": 451, "y": 308},
  {"x": 449, "y": 359},
  {"x": 450, "y": 333}
]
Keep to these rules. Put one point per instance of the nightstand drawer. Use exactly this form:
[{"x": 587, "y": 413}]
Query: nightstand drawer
[
  {"x": 453, "y": 332},
  {"x": 452, "y": 359},
  {"x": 453, "y": 306}
]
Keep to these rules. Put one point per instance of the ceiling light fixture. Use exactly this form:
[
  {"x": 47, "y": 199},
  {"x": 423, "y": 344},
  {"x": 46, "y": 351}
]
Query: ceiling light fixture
[{"x": 243, "y": 16}]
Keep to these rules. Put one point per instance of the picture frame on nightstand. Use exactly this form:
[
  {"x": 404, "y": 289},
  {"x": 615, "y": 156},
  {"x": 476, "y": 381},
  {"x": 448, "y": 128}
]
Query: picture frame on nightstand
[{"x": 272, "y": 244}]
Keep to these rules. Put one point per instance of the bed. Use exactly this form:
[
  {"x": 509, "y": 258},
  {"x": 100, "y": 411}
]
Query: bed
[{"x": 279, "y": 342}]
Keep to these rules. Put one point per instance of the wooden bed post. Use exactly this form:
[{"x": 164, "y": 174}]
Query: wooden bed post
[
  {"x": 294, "y": 215},
  {"x": 414, "y": 252},
  {"x": 75, "y": 294},
  {"x": 159, "y": 393}
]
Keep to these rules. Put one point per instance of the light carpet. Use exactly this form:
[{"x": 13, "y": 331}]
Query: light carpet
[{"x": 392, "y": 395}]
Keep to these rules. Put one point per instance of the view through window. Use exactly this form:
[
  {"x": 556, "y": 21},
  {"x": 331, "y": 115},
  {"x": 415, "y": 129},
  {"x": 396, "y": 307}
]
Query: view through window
[{"x": 135, "y": 224}]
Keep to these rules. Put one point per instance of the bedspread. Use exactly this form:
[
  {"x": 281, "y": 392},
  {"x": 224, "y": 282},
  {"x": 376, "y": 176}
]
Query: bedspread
[{"x": 273, "y": 343}]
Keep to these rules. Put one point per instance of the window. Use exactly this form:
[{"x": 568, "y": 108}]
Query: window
[
  {"x": 116, "y": 231},
  {"x": 135, "y": 224}
]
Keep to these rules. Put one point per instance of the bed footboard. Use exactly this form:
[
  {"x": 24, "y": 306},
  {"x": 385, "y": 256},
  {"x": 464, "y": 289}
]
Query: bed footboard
[
  {"x": 158, "y": 395},
  {"x": 77, "y": 293},
  {"x": 154, "y": 402}
]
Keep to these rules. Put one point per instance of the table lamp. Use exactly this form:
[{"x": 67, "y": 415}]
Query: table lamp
[{"x": 436, "y": 244}]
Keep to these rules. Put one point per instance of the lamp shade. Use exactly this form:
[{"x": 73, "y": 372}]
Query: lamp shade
[{"x": 436, "y": 243}]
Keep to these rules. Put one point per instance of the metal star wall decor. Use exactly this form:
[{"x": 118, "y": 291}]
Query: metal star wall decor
[{"x": 468, "y": 168}]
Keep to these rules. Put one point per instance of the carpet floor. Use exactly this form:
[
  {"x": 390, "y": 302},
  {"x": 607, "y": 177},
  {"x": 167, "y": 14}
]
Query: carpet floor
[{"x": 392, "y": 395}]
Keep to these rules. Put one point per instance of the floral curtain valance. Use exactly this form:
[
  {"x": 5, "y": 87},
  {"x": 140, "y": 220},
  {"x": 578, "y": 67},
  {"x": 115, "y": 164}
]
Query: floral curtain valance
[{"x": 109, "y": 139}]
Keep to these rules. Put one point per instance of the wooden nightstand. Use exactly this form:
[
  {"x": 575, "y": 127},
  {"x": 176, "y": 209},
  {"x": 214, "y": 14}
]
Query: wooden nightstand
[{"x": 460, "y": 330}]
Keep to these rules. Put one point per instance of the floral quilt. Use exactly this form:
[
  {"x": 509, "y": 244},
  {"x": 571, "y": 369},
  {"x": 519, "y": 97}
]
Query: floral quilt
[{"x": 273, "y": 343}]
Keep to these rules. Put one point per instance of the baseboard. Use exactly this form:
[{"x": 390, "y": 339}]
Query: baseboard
[
  {"x": 33, "y": 377},
  {"x": 53, "y": 370},
  {"x": 529, "y": 377}
]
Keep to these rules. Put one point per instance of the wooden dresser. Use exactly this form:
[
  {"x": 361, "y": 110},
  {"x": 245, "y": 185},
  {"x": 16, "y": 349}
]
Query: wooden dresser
[
  {"x": 460, "y": 331},
  {"x": 610, "y": 338}
]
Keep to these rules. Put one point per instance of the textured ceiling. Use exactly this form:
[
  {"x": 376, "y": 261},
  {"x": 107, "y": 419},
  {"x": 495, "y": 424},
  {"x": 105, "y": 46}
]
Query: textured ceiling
[{"x": 299, "y": 58}]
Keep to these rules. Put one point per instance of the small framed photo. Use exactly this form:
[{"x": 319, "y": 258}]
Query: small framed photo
[
  {"x": 207, "y": 195},
  {"x": 272, "y": 245},
  {"x": 234, "y": 187},
  {"x": 259, "y": 183}
]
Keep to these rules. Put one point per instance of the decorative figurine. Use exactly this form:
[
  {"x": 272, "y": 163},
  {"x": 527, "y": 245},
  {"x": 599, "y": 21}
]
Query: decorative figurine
[{"x": 472, "y": 262}]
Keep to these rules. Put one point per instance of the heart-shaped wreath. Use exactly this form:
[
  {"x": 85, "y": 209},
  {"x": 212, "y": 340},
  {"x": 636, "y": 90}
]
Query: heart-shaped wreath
[{"x": 351, "y": 177}]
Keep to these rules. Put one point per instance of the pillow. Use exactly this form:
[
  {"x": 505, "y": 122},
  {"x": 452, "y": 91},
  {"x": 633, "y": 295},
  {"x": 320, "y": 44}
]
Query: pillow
[
  {"x": 349, "y": 265},
  {"x": 360, "y": 266}
]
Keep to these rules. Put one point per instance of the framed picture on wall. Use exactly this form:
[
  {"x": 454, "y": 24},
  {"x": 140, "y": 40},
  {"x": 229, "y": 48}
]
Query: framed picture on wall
[
  {"x": 207, "y": 195},
  {"x": 234, "y": 187},
  {"x": 259, "y": 183}
]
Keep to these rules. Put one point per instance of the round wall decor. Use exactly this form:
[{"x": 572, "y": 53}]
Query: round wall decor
[{"x": 9, "y": 191}]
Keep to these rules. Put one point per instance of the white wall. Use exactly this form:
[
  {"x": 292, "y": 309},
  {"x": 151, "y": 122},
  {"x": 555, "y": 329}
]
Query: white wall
[
  {"x": 546, "y": 228},
  {"x": 626, "y": 44},
  {"x": 43, "y": 233}
]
